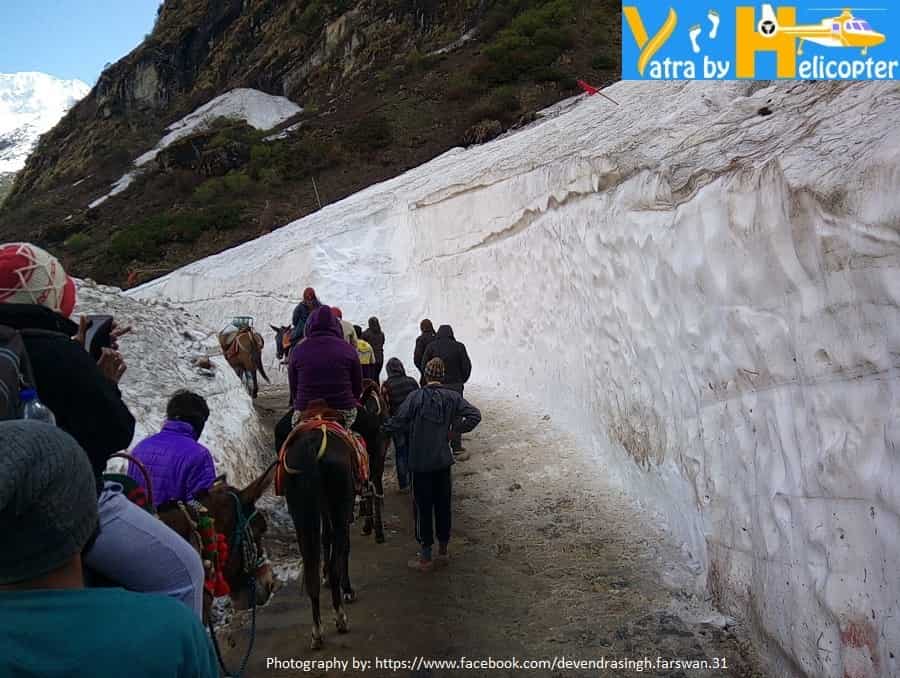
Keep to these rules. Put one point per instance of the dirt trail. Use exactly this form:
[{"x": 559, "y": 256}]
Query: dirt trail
[{"x": 546, "y": 563}]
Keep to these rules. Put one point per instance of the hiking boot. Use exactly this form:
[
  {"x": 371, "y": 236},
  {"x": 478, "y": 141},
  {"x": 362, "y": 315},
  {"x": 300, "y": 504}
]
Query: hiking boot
[
  {"x": 420, "y": 565},
  {"x": 443, "y": 555},
  {"x": 462, "y": 455}
]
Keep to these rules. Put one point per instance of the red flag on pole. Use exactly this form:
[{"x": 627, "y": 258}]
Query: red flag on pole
[{"x": 587, "y": 88}]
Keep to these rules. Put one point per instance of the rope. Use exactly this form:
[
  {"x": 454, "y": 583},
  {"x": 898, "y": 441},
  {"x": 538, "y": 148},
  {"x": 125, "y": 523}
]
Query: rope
[
  {"x": 212, "y": 633},
  {"x": 144, "y": 472}
]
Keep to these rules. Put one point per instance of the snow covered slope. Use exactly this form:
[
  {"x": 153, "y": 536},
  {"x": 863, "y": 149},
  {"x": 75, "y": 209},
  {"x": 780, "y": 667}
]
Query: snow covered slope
[
  {"x": 160, "y": 353},
  {"x": 30, "y": 104},
  {"x": 708, "y": 294},
  {"x": 258, "y": 109}
]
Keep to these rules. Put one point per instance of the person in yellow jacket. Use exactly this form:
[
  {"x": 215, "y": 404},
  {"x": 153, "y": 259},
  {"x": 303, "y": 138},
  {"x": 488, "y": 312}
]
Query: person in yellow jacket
[{"x": 366, "y": 356}]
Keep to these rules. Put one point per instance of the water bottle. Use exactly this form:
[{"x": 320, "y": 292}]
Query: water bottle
[{"x": 32, "y": 408}]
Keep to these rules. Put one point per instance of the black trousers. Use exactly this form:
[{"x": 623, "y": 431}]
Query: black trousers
[{"x": 431, "y": 492}]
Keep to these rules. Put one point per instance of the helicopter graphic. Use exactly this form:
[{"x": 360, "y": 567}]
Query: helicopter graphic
[{"x": 841, "y": 31}]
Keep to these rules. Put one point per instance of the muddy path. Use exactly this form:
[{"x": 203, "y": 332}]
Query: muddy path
[{"x": 547, "y": 563}]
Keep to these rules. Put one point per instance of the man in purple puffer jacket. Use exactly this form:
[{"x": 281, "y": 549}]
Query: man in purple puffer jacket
[
  {"x": 325, "y": 367},
  {"x": 179, "y": 466}
]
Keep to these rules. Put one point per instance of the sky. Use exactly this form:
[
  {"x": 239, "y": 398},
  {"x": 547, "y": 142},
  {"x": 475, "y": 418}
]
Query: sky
[{"x": 71, "y": 38}]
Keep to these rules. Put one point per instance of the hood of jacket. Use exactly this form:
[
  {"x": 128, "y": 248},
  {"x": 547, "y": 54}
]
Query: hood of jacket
[
  {"x": 445, "y": 332},
  {"x": 322, "y": 323},
  {"x": 395, "y": 368}
]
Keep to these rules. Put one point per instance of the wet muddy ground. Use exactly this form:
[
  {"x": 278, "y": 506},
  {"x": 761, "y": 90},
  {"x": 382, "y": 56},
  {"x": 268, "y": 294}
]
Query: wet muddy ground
[{"x": 547, "y": 563}]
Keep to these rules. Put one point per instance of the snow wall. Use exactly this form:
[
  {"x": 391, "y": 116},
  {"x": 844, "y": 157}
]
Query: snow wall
[
  {"x": 703, "y": 283},
  {"x": 160, "y": 354}
]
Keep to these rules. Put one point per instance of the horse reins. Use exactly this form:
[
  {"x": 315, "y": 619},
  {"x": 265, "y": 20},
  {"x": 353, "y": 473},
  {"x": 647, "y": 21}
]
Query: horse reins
[{"x": 144, "y": 472}]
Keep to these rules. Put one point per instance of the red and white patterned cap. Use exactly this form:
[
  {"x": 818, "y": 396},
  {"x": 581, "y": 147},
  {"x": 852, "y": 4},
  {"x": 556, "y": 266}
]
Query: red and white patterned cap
[{"x": 30, "y": 275}]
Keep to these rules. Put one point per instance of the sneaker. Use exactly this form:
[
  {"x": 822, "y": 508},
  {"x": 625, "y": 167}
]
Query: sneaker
[{"x": 420, "y": 565}]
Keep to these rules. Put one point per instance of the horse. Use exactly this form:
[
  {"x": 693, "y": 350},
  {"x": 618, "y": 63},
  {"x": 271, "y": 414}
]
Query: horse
[
  {"x": 369, "y": 419},
  {"x": 235, "y": 515},
  {"x": 243, "y": 351},
  {"x": 318, "y": 486},
  {"x": 283, "y": 342}
]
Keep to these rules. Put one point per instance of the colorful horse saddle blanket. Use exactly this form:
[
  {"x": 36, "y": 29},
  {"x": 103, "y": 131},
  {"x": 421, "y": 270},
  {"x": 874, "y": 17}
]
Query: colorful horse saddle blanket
[{"x": 325, "y": 421}]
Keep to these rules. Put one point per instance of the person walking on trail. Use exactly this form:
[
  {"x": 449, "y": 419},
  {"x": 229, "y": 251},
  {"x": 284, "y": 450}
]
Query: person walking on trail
[
  {"x": 422, "y": 342},
  {"x": 179, "y": 466},
  {"x": 347, "y": 330},
  {"x": 395, "y": 390},
  {"x": 375, "y": 337},
  {"x": 325, "y": 367},
  {"x": 133, "y": 549},
  {"x": 366, "y": 355},
  {"x": 458, "y": 370},
  {"x": 301, "y": 314},
  {"x": 50, "y": 624},
  {"x": 427, "y": 415}
]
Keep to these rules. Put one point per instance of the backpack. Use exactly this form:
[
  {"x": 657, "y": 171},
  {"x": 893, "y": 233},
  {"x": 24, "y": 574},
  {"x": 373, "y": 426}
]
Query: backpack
[{"x": 15, "y": 372}]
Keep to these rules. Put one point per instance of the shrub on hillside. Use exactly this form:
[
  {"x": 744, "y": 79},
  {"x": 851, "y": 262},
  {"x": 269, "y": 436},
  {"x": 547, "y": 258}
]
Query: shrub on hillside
[{"x": 78, "y": 242}]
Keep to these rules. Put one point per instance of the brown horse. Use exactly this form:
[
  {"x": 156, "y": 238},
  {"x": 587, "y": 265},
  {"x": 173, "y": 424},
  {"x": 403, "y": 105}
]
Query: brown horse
[
  {"x": 319, "y": 489},
  {"x": 235, "y": 516},
  {"x": 369, "y": 419},
  {"x": 243, "y": 351}
]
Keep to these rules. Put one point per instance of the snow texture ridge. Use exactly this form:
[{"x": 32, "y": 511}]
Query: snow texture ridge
[
  {"x": 159, "y": 353},
  {"x": 30, "y": 105},
  {"x": 707, "y": 295},
  {"x": 258, "y": 109}
]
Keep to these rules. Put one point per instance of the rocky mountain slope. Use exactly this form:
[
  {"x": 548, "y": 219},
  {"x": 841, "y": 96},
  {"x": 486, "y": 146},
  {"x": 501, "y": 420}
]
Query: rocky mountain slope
[
  {"x": 30, "y": 105},
  {"x": 383, "y": 87}
]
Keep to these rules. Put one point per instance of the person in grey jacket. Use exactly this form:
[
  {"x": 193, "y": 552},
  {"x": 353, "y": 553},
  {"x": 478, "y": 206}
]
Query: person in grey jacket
[{"x": 428, "y": 415}]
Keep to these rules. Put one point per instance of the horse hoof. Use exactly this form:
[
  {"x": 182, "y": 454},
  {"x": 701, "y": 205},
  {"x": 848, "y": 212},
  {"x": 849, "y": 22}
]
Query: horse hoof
[
  {"x": 316, "y": 642},
  {"x": 350, "y": 596},
  {"x": 379, "y": 537},
  {"x": 341, "y": 623}
]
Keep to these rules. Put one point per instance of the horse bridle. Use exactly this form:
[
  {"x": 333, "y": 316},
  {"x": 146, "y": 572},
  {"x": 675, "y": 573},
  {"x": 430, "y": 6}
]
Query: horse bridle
[{"x": 253, "y": 555}]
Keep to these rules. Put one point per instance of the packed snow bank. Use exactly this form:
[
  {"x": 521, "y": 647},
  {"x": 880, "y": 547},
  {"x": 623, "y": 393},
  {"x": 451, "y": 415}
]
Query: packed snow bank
[
  {"x": 707, "y": 295},
  {"x": 160, "y": 354},
  {"x": 258, "y": 109}
]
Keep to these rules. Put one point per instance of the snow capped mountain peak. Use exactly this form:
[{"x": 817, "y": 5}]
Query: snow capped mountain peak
[{"x": 31, "y": 103}]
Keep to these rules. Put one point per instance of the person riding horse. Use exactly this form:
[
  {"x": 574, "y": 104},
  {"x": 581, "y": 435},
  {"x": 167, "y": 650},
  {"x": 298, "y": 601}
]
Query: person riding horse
[
  {"x": 325, "y": 367},
  {"x": 302, "y": 313}
]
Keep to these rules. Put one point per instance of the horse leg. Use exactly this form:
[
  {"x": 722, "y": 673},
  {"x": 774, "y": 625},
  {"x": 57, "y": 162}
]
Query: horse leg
[
  {"x": 338, "y": 559},
  {"x": 307, "y": 525},
  {"x": 377, "y": 470},
  {"x": 326, "y": 550},
  {"x": 255, "y": 384}
]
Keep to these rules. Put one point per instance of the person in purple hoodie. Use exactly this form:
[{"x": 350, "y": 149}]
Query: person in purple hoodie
[
  {"x": 325, "y": 367},
  {"x": 179, "y": 466}
]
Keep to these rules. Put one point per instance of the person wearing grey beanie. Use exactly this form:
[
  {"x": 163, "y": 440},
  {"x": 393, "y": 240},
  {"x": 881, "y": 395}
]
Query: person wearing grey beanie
[
  {"x": 50, "y": 624},
  {"x": 48, "y": 500}
]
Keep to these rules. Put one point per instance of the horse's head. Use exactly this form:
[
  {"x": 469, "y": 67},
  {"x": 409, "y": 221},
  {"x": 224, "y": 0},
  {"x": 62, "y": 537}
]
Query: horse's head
[
  {"x": 243, "y": 525},
  {"x": 282, "y": 340}
]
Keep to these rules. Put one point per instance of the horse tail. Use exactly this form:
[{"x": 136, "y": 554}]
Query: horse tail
[
  {"x": 302, "y": 488},
  {"x": 258, "y": 362}
]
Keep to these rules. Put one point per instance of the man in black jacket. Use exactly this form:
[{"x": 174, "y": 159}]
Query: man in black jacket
[
  {"x": 458, "y": 369},
  {"x": 428, "y": 416},
  {"x": 422, "y": 342},
  {"x": 395, "y": 391}
]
